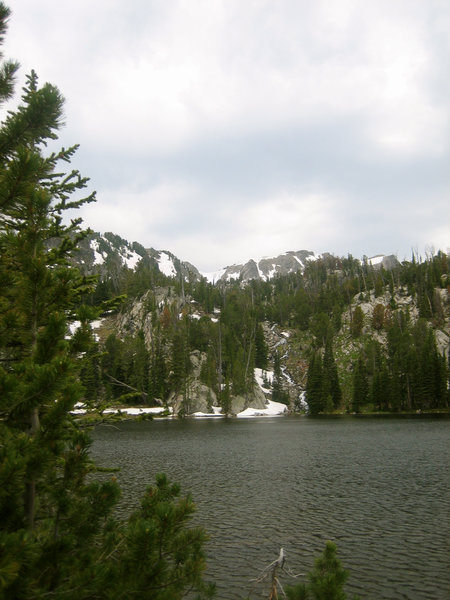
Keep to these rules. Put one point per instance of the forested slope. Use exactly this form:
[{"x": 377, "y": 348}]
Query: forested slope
[{"x": 342, "y": 334}]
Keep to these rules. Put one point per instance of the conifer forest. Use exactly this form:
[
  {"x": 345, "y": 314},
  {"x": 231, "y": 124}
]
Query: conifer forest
[{"x": 360, "y": 339}]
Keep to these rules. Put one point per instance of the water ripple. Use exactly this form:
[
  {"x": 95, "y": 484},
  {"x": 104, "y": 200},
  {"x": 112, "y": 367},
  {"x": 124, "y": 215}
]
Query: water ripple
[{"x": 380, "y": 489}]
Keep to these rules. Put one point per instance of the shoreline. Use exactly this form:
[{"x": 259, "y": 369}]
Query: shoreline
[{"x": 121, "y": 414}]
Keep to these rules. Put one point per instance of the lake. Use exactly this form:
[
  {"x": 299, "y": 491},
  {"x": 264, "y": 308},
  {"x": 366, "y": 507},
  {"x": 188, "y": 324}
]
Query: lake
[{"x": 378, "y": 487}]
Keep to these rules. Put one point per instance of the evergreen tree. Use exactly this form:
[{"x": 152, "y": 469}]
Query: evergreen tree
[
  {"x": 225, "y": 398},
  {"x": 261, "y": 350},
  {"x": 357, "y": 322},
  {"x": 327, "y": 579},
  {"x": 238, "y": 383},
  {"x": 158, "y": 385},
  {"x": 336, "y": 319},
  {"x": 321, "y": 328},
  {"x": 112, "y": 366},
  {"x": 360, "y": 386},
  {"x": 57, "y": 536},
  {"x": 140, "y": 366},
  {"x": 314, "y": 382},
  {"x": 208, "y": 373},
  {"x": 332, "y": 388},
  {"x": 90, "y": 375},
  {"x": 378, "y": 317},
  {"x": 380, "y": 387},
  {"x": 302, "y": 309},
  {"x": 325, "y": 582}
]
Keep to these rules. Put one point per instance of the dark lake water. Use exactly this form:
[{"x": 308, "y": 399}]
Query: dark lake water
[{"x": 378, "y": 487}]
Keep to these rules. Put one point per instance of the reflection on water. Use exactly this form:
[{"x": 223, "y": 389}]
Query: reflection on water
[{"x": 378, "y": 487}]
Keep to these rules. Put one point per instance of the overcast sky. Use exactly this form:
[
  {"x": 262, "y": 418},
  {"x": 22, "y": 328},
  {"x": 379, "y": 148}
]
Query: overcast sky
[{"x": 224, "y": 130}]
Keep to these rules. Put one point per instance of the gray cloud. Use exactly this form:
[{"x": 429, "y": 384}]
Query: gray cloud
[{"x": 222, "y": 131}]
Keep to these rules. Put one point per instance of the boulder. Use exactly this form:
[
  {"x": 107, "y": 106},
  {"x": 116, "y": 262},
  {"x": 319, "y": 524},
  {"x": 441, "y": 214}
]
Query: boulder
[
  {"x": 200, "y": 399},
  {"x": 255, "y": 399}
]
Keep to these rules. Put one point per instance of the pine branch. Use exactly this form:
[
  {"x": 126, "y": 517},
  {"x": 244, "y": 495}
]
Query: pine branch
[{"x": 126, "y": 386}]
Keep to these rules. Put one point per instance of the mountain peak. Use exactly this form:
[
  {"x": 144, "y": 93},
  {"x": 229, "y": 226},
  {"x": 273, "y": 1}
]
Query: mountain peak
[{"x": 265, "y": 268}]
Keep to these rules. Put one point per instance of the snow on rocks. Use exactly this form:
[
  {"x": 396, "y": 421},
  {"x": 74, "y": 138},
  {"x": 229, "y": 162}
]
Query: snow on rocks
[
  {"x": 263, "y": 377},
  {"x": 214, "y": 276},
  {"x": 166, "y": 265},
  {"x": 152, "y": 410},
  {"x": 80, "y": 409},
  {"x": 376, "y": 260},
  {"x": 216, "y": 412},
  {"x": 130, "y": 257},
  {"x": 99, "y": 259},
  {"x": 273, "y": 409}
]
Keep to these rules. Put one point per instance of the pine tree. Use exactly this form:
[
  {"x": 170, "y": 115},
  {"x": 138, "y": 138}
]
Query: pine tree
[
  {"x": 57, "y": 536},
  {"x": 328, "y": 577},
  {"x": 225, "y": 398},
  {"x": 140, "y": 366},
  {"x": 321, "y": 328},
  {"x": 90, "y": 375},
  {"x": 261, "y": 350},
  {"x": 314, "y": 385},
  {"x": 378, "y": 317},
  {"x": 208, "y": 373},
  {"x": 332, "y": 388},
  {"x": 158, "y": 385},
  {"x": 238, "y": 383},
  {"x": 326, "y": 580},
  {"x": 360, "y": 386},
  {"x": 379, "y": 393},
  {"x": 357, "y": 322},
  {"x": 112, "y": 367}
]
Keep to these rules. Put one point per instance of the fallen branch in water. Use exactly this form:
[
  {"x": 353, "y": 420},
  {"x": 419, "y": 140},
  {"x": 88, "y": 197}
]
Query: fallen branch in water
[{"x": 272, "y": 570}]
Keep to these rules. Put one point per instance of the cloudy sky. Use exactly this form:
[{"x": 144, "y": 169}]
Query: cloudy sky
[{"x": 224, "y": 130}]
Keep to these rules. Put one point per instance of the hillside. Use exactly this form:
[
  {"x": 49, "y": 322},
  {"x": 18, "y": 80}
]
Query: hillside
[{"x": 331, "y": 334}]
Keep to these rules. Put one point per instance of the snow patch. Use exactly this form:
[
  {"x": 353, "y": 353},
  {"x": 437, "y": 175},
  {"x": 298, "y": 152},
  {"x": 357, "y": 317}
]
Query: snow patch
[
  {"x": 153, "y": 410},
  {"x": 98, "y": 257},
  {"x": 286, "y": 375},
  {"x": 130, "y": 258},
  {"x": 273, "y": 409},
  {"x": 166, "y": 265},
  {"x": 216, "y": 412},
  {"x": 233, "y": 275},
  {"x": 271, "y": 273},
  {"x": 302, "y": 402},
  {"x": 214, "y": 275},
  {"x": 376, "y": 260},
  {"x": 260, "y": 273},
  {"x": 73, "y": 328},
  {"x": 261, "y": 375}
]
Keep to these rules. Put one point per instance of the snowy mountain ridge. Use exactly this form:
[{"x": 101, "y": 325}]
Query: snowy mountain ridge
[
  {"x": 108, "y": 252},
  {"x": 265, "y": 268}
]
